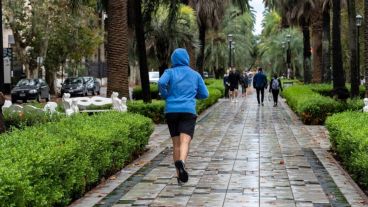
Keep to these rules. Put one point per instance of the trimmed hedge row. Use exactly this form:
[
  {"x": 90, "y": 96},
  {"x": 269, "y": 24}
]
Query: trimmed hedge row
[
  {"x": 29, "y": 117},
  {"x": 314, "y": 108},
  {"x": 138, "y": 95},
  {"x": 211, "y": 83},
  {"x": 349, "y": 138},
  {"x": 156, "y": 109},
  {"x": 216, "y": 84},
  {"x": 54, "y": 163},
  {"x": 326, "y": 89}
]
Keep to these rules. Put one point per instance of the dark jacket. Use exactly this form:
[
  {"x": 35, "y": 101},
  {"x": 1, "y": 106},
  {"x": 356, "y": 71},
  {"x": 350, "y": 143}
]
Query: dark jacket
[
  {"x": 234, "y": 78},
  {"x": 245, "y": 80},
  {"x": 260, "y": 80}
]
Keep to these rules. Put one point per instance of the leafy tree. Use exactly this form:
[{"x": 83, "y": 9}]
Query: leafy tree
[
  {"x": 272, "y": 53},
  {"x": 216, "y": 52}
]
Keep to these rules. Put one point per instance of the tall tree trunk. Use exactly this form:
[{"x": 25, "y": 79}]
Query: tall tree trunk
[
  {"x": 366, "y": 46},
  {"x": 141, "y": 47},
  {"x": 191, "y": 51},
  {"x": 354, "y": 70},
  {"x": 337, "y": 64},
  {"x": 2, "y": 88},
  {"x": 317, "y": 28},
  {"x": 117, "y": 49},
  {"x": 162, "y": 68},
  {"x": 2, "y": 102},
  {"x": 326, "y": 40},
  {"x": 202, "y": 39},
  {"x": 307, "y": 52}
]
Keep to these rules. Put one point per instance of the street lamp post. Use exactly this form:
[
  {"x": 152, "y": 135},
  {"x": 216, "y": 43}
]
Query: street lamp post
[
  {"x": 230, "y": 40},
  {"x": 359, "y": 19},
  {"x": 283, "y": 45},
  {"x": 233, "y": 50},
  {"x": 288, "y": 54}
]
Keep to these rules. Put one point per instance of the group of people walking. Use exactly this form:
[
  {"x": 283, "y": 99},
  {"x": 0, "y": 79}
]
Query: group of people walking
[
  {"x": 180, "y": 86},
  {"x": 232, "y": 79}
]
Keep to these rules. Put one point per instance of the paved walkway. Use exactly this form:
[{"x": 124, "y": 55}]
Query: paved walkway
[{"x": 243, "y": 154}]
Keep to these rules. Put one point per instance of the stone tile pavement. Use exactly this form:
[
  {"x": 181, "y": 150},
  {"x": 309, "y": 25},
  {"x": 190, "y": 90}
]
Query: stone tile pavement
[{"x": 242, "y": 154}]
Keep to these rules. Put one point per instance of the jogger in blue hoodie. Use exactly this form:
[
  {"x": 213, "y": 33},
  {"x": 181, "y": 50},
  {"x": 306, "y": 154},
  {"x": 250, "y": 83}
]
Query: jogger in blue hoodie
[{"x": 180, "y": 86}]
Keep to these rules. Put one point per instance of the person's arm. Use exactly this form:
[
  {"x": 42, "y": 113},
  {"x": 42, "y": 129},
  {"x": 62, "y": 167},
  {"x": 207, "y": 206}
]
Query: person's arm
[
  {"x": 202, "y": 92},
  {"x": 280, "y": 85},
  {"x": 254, "y": 81},
  {"x": 270, "y": 86},
  {"x": 163, "y": 84},
  {"x": 266, "y": 81}
]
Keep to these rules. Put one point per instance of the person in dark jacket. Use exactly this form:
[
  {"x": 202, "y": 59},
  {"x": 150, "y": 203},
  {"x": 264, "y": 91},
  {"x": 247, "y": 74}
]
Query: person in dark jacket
[
  {"x": 180, "y": 86},
  {"x": 234, "y": 79},
  {"x": 226, "y": 84},
  {"x": 244, "y": 83},
  {"x": 275, "y": 87},
  {"x": 260, "y": 83}
]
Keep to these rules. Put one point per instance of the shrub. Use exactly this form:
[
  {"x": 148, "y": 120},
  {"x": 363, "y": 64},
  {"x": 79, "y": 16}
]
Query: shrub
[
  {"x": 51, "y": 164},
  {"x": 349, "y": 138},
  {"x": 137, "y": 92},
  {"x": 154, "y": 110},
  {"x": 216, "y": 84},
  {"x": 29, "y": 117},
  {"x": 212, "y": 99},
  {"x": 312, "y": 107}
]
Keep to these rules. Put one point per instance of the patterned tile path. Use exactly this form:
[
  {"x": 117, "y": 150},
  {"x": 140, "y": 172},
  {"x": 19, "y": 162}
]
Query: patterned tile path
[{"x": 242, "y": 154}]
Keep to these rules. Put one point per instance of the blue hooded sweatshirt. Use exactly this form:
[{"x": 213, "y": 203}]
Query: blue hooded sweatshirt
[{"x": 181, "y": 85}]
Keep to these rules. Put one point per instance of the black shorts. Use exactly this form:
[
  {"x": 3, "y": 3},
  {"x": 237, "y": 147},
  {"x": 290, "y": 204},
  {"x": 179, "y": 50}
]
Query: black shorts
[
  {"x": 181, "y": 123},
  {"x": 234, "y": 87}
]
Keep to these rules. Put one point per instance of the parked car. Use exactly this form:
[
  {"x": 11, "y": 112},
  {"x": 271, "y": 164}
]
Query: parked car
[
  {"x": 74, "y": 86},
  {"x": 30, "y": 89},
  {"x": 153, "y": 77},
  {"x": 92, "y": 85}
]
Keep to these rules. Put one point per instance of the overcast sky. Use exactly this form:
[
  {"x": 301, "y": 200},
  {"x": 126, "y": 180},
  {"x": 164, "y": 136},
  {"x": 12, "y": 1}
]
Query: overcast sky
[{"x": 258, "y": 8}]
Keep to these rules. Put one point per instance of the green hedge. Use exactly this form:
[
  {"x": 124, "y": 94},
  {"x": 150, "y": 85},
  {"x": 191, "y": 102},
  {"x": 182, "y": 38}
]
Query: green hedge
[
  {"x": 312, "y": 107},
  {"x": 137, "y": 92},
  {"x": 349, "y": 138},
  {"x": 156, "y": 109},
  {"x": 215, "y": 95},
  {"x": 216, "y": 84},
  {"x": 29, "y": 117},
  {"x": 326, "y": 89},
  {"x": 54, "y": 163},
  {"x": 211, "y": 83}
]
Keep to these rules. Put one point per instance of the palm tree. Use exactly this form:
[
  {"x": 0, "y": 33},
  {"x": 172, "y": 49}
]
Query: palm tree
[
  {"x": 141, "y": 49},
  {"x": 353, "y": 49},
  {"x": 1, "y": 51},
  {"x": 366, "y": 46},
  {"x": 209, "y": 15},
  {"x": 117, "y": 46},
  {"x": 326, "y": 42},
  {"x": 294, "y": 12},
  {"x": 338, "y": 69}
]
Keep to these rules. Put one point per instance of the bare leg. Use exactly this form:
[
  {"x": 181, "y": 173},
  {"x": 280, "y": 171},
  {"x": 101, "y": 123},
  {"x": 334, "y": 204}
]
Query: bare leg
[
  {"x": 176, "y": 150},
  {"x": 184, "y": 146}
]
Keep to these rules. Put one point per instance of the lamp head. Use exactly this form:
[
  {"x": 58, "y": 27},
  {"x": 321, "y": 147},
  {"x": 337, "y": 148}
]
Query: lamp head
[
  {"x": 230, "y": 37},
  {"x": 359, "y": 20}
]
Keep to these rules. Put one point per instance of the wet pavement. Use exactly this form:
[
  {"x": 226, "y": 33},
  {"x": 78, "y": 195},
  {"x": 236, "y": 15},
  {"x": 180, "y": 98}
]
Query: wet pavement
[{"x": 242, "y": 154}]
